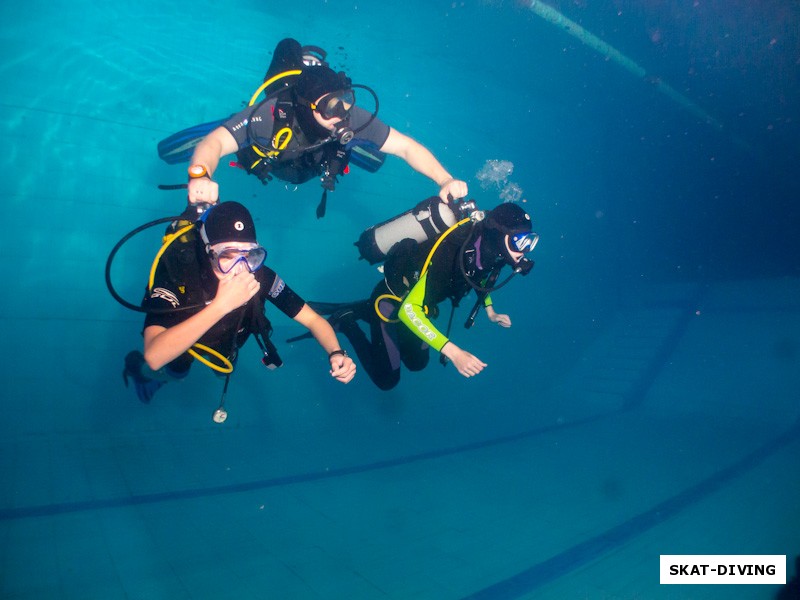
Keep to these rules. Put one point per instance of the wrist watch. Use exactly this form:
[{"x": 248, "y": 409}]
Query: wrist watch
[{"x": 198, "y": 171}]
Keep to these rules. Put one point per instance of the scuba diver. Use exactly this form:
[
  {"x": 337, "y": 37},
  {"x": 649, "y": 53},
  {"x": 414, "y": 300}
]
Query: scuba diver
[
  {"x": 308, "y": 126},
  {"x": 206, "y": 298},
  {"x": 420, "y": 273}
]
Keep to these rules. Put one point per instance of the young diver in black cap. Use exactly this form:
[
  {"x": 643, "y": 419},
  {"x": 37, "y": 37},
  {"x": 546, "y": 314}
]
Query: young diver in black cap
[
  {"x": 419, "y": 277},
  {"x": 207, "y": 299},
  {"x": 308, "y": 135}
]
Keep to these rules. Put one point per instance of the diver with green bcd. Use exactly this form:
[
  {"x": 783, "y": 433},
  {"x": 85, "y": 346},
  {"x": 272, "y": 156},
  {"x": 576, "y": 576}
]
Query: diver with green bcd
[{"x": 430, "y": 254}]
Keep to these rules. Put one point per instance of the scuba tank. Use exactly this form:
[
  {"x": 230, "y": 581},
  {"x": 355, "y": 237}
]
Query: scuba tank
[
  {"x": 289, "y": 54},
  {"x": 426, "y": 221}
]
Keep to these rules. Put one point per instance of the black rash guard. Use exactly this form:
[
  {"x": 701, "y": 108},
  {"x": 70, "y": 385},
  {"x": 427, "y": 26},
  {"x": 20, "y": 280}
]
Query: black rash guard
[{"x": 195, "y": 284}]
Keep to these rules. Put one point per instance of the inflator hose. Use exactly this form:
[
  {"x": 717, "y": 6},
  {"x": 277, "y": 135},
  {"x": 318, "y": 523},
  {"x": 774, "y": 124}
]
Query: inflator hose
[{"x": 113, "y": 253}]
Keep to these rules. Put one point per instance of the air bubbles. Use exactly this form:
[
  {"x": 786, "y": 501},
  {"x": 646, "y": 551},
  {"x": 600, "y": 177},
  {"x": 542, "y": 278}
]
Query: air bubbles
[{"x": 495, "y": 174}]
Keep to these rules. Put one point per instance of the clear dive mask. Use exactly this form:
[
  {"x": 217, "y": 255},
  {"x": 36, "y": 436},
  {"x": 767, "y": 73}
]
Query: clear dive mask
[
  {"x": 523, "y": 242},
  {"x": 225, "y": 260}
]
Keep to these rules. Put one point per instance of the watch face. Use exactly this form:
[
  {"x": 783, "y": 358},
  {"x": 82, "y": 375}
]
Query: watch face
[{"x": 197, "y": 171}]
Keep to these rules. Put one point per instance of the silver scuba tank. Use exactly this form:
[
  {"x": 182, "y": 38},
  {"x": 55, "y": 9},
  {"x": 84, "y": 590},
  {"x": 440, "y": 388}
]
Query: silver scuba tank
[{"x": 426, "y": 221}]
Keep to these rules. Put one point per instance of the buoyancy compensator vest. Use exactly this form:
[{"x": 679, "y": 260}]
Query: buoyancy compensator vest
[
  {"x": 291, "y": 155},
  {"x": 288, "y": 140}
]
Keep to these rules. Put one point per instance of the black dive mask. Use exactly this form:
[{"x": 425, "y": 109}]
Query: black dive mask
[{"x": 335, "y": 104}]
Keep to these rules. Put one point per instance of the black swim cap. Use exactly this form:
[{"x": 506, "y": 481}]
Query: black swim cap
[
  {"x": 318, "y": 80},
  {"x": 227, "y": 222},
  {"x": 313, "y": 83},
  {"x": 509, "y": 218},
  {"x": 506, "y": 219}
]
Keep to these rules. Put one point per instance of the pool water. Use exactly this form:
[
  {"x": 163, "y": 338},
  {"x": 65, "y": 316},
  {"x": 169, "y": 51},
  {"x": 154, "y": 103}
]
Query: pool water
[{"x": 643, "y": 403}]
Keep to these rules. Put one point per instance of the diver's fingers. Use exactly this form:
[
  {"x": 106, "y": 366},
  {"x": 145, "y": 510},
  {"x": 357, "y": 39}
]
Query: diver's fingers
[
  {"x": 235, "y": 289},
  {"x": 454, "y": 188},
  {"x": 470, "y": 365},
  {"x": 343, "y": 370},
  {"x": 346, "y": 377},
  {"x": 253, "y": 286},
  {"x": 203, "y": 189}
]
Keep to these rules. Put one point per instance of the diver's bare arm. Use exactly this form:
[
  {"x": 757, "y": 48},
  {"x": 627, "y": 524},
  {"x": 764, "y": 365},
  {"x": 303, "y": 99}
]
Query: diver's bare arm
[
  {"x": 215, "y": 145},
  {"x": 501, "y": 319},
  {"x": 423, "y": 161},
  {"x": 342, "y": 366},
  {"x": 162, "y": 345}
]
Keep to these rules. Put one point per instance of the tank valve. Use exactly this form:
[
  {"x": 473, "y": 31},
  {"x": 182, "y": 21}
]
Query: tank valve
[{"x": 469, "y": 208}]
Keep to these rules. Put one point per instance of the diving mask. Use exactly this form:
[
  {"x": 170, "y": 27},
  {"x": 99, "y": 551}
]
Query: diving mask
[
  {"x": 226, "y": 259},
  {"x": 523, "y": 242},
  {"x": 335, "y": 105}
]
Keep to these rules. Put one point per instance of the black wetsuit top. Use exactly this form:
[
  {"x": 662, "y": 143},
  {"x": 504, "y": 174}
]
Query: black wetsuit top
[{"x": 186, "y": 279}]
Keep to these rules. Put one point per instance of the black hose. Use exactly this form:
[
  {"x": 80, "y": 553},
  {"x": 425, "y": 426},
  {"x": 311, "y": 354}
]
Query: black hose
[
  {"x": 480, "y": 289},
  {"x": 113, "y": 253},
  {"x": 188, "y": 215}
]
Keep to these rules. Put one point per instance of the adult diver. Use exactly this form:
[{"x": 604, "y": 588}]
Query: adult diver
[
  {"x": 308, "y": 126},
  {"x": 422, "y": 271}
]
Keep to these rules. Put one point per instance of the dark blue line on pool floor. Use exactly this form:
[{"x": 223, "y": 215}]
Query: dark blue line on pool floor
[
  {"x": 561, "y": 564},
  {"x": 635, "y": 397},
  {"x": 87, "y": 505}
]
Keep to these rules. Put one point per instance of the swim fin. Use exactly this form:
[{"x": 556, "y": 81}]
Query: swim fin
[
  {"x": 144, "y": 386},
  {"x": 179, "y": 147},
  {"x": 328, "y": 308},
  {"x": 336, "y": 310},
  {"x": 303, "y": 336}
]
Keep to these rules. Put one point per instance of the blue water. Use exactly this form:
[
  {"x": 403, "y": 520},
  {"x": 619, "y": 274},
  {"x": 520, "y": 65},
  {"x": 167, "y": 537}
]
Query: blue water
[{"x": 643, "y": 403}]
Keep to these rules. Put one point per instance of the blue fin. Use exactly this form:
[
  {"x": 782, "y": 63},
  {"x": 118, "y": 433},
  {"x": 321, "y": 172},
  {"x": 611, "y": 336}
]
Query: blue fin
[
  {"x": 179, "y": 147},
  {"x": 328, "y": 308},
  {"x": 333, "y": 310}
]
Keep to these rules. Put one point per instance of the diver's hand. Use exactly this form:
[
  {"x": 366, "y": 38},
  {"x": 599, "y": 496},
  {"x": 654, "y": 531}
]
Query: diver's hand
[
  {"x": 453, "y": 189},
  {"x": 235, "y": 289},
  {"x": 203, "y": 189},
  {"x": 342, "y": 368},
  {"x": 501, "y": 319},
  {"x": 467, "y": 364}
]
